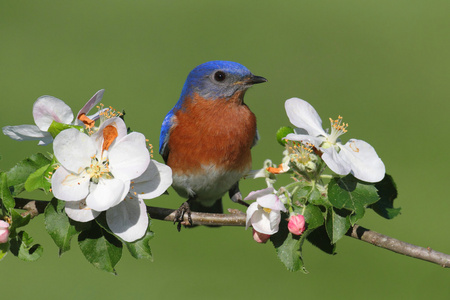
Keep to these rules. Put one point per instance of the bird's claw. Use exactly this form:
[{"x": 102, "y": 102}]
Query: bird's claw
[
  {"x": 179, "y": 216},
  {"x": 236, "y": 196}
]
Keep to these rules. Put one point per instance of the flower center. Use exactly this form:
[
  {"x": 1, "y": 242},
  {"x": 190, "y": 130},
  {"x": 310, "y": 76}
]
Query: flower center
[
  {"x": 99, "y": 169},
  {"x": 338, "y": 128},
  {"x": 267, "y": 210},
  {"x": 300, "y": 152}
]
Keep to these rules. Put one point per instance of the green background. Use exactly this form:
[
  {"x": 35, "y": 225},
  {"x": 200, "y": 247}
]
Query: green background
[{"x": 383, "y": 65}]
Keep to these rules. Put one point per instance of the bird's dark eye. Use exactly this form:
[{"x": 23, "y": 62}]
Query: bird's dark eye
[{"x": 219, "y": 76}]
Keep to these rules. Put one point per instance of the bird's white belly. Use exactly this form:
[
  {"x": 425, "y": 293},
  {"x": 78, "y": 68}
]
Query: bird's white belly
[{"x": 207, "y": 185}]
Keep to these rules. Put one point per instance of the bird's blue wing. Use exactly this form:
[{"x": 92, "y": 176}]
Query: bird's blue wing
[
  {"x": 256, "y": 138},
  {"x": 165, "y": 133}
]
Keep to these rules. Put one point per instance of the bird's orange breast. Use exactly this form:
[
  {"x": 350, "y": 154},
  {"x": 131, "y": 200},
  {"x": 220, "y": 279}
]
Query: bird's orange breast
[{"x": 219, "y": 132}]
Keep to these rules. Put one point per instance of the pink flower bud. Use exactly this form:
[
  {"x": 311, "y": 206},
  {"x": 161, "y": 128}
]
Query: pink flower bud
[
  {"x": 4, "y": 231},
  {"x": 296, "y": 224},
  {"x": 260, "y": 237}
]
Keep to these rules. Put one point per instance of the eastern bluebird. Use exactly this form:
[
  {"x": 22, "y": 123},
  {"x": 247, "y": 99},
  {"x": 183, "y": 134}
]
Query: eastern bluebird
[{"x": 207, "y": 136}]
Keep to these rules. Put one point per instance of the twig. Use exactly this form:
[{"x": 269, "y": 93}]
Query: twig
[
  {"x": 233, "y": 219},
  {"x": 236, "y": 218},
  {"x": 386, "y": 242}
]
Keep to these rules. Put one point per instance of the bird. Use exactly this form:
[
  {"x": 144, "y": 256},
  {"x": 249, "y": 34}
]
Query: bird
[{"x": 206, "y": 138}]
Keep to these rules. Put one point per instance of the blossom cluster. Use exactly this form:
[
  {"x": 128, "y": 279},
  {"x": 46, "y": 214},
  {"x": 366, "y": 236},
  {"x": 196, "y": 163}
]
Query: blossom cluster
[
  {"x": 308, "y": 150},
  {"x": 99, "y": 168}
]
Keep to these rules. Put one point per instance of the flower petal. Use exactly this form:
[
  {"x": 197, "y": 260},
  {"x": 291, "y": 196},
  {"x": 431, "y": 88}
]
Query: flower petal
[
  {"x": 96, "y": 115},
  {"x": 129, "y": 158},
  {"x": 3, "y": 224},
  {"x": 303, "y": 115},
  {"x": 154, "y": 181},
  {"x": 335, "y": 162},
  {"x": 250, "y": 212},
  {"x": 74, "y": 149},
  {"x": 90, "y": 104},
  {"x": 259, "y": 193},
  {"x": 78, "y": 211},
  {"x": 316, "y": 141},
  {"x": 4, "y": 232},
  {"x": 118, "y": 123},
  {"x": 264, "y": 222},
  {"x": 253, "y": 174},
  {"x": 28, "y": 133},
  {"x": 69, "y": 186},
  {"x": 275, "y": 218},
  {"x": 128, "y": 220},
  {"x": 260, "y": 237},
  {"x": 271, "y": 201},
  {"x": 363, "y": 160},
  {"x": 47, "y": 109},
  {"x": 107, "y": 193}
]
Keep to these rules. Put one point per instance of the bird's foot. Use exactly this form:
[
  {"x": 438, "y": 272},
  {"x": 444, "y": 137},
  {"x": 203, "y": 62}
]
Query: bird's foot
[
  {"x": 179, "y": 215},
  {"x": 236, "y": 197}
]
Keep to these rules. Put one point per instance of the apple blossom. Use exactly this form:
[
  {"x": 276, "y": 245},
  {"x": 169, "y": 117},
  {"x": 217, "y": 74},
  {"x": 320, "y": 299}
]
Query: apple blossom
[
  {"x": 4, "y": 231},
  {"x": 356, "y": 156},
  {"x": 296, "y": 224},
  {"x": 98, "y": 172},
  {"x": 264, "y": 215},
  {"x": 47, "y": 109}
]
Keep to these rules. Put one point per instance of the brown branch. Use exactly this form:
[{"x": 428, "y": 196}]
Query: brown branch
[
  {"x": 386, "y": 242},
  {"x": 237, "y": 218}
]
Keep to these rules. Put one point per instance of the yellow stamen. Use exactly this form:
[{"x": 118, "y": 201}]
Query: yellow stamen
[{"x": 267, "y": 210}]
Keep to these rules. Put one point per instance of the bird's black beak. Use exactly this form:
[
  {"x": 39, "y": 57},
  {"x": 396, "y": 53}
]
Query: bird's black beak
[{"x": 255, "y": 79}]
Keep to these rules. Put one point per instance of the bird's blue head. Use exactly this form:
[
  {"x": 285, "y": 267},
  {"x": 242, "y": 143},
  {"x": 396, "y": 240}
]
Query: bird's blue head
[{"x": 219, "y": 79}]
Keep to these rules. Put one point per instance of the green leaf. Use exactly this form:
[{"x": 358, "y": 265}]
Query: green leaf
[
  {"x": 101, "y": 220},
  {"x": 283, "y": 132},
  {"x": 100, "y": 248},
  {"x": 59, "y": 226},
  {"x": 313, "y": 216},
  {"x": 21, "y": 246},
  {"x": 4, "y": 248},
  {"x": 349, "y": 193},
  {"x": 55, "y": 128},
  {"x": 311, "y": 194},
  {"x": 141, "y": 248},
  {"x": 387, "y": 190},
  {"x": 337, "y": 224},
  {"x": 37, "y": 180},
  {"x": 289, "y": 253},
  {"x": 355, "y": 216},
  {"x": 18, "y": 174},
  {"x": 17, "y": 221},
  {"x": 319, "y": 238},
  {"x": 289, "y": 247},
  {"x": 5, "y": 194}
]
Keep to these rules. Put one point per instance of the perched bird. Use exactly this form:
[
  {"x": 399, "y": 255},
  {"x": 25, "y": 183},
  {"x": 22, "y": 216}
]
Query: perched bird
[{"x": 207, "y": 136}]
